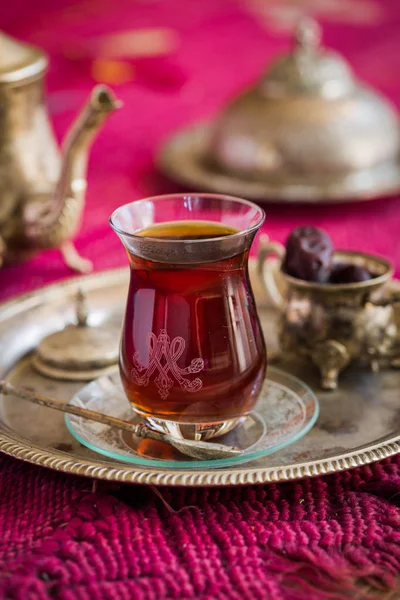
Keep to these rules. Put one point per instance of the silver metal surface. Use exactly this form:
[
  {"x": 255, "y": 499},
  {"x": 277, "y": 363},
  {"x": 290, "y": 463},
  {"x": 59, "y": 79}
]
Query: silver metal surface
[{"x": 358, "y": 424}]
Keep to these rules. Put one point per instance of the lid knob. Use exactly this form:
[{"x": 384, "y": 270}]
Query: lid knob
[
  {"x": 81, "y": 308},
  {"x": 307, "y": 35},
  {"x": 308, "y": 68}
]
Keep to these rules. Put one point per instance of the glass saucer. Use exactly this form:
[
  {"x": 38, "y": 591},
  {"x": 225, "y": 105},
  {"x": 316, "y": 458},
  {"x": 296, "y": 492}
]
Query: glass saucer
[{"x": 285, "y": 412}]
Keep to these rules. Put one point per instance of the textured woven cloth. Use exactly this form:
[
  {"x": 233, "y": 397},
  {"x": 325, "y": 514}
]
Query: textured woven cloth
[{"x": 331, "y": 538}]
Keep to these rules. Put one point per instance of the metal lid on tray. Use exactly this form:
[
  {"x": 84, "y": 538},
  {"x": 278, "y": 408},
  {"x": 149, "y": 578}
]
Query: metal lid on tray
[{"x": 78, "y": 352}]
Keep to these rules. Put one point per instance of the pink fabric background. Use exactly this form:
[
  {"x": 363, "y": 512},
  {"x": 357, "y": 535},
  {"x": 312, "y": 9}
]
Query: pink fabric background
[
  {"x": 332, "y": 537},
  {"x": 222, "y": 45}
]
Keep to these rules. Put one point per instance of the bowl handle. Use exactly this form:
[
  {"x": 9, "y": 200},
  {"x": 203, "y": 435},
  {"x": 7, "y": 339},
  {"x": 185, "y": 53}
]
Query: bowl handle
[
  {"x": 394, "y": 298},
  {"x": 267, "y": 275}
]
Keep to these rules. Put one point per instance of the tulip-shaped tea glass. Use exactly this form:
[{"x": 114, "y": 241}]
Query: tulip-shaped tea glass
[{"x": 192, "y": 357}]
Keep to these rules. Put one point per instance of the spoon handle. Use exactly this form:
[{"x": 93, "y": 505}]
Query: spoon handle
[
  {"x": 140, "y": 430},
  {"x": 188, "y": 447}
]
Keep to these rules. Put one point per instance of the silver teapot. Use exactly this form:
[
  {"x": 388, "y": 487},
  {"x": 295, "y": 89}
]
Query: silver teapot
[{"x": 42, "y": 190}]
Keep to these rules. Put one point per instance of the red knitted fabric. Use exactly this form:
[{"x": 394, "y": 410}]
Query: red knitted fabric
[{"x": 312, "y": 539}]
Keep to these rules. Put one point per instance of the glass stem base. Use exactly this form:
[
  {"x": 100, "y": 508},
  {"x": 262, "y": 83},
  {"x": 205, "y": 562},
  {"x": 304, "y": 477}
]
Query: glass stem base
[{"x": 192, "y": 431}]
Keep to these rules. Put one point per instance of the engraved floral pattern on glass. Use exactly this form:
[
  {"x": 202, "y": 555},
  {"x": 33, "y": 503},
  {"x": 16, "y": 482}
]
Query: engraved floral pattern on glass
[{"x": 163, "y": 357}]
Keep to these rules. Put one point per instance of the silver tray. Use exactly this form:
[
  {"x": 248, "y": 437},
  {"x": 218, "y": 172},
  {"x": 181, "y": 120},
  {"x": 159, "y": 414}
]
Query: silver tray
[
  {"x": 182, "y": 158},
  {"x": 358, "y": 424}
]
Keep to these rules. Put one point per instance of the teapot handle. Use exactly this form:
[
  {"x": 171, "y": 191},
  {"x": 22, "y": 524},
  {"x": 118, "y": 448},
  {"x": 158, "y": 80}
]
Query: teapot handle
[{"x": 267, "y": 249}]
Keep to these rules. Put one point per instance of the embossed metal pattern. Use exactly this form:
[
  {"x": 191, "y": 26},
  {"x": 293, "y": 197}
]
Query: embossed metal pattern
[
  {"x": 19, "y": 446},
  {"x": 343, "y": 323},
  {"x": 59, "y": 462}
]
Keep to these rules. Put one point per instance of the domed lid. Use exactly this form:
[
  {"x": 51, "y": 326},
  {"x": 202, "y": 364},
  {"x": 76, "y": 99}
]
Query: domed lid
[
  {"x": 307, "y": 130},
  {"x": 307, "y": 117},
  {"x": 308, "y": 68},
  {"x": 19, "y": 61}
]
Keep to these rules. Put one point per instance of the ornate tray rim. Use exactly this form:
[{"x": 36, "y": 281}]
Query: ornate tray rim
[
  {"x": 18, "y": 447},
  {"x": 182, "y": 149}
]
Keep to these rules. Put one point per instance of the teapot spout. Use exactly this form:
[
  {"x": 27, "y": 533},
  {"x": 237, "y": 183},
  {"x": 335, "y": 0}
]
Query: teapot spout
[
  {"x": 71, "y": 186},
  {"x": 102, "y": 102},
  {"x": 63, "y": 213}
]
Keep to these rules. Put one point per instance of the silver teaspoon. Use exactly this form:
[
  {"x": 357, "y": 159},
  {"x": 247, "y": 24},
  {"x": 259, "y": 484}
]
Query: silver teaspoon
[{"x": 195, "y": 449}]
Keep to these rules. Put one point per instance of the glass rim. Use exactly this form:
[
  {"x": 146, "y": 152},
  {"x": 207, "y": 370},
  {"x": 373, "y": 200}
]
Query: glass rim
[{"x": 183, "y": 196}]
